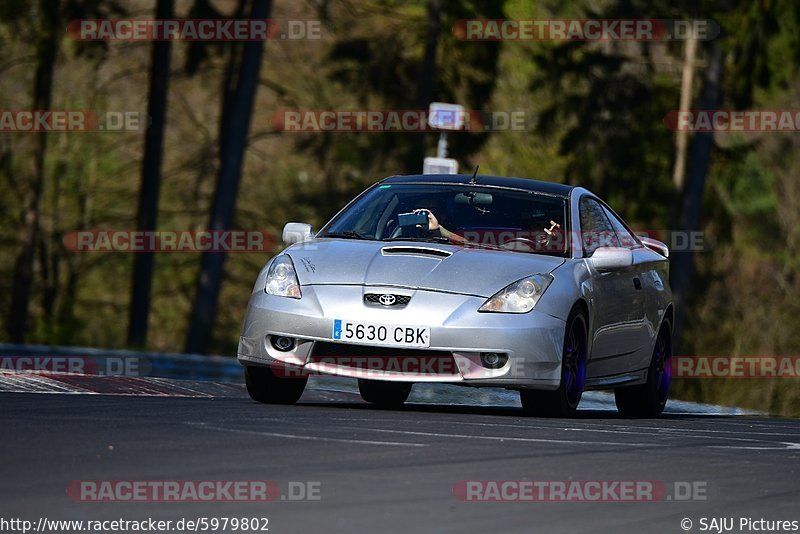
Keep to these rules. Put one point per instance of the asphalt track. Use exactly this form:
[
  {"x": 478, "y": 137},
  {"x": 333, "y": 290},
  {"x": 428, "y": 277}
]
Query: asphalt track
[{"x": 386, "y": 470}]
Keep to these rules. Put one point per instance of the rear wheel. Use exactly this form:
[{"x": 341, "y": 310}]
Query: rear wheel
[
  {"x": 649, "y": 399},
  {"x": 563, "y": 402},
  {"x": 265, "y": 386},
  {"x": 386, "y": 394}
]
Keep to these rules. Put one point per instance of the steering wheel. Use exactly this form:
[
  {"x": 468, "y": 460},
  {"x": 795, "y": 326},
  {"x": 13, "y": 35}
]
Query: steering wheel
[{"x": 392, "y": 229}]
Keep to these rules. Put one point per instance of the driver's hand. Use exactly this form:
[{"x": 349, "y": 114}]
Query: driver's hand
[{"x": 433, "y": 222}]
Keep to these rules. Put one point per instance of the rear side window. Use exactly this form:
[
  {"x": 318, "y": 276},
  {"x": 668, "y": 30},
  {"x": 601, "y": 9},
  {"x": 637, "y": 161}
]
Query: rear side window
[{"x": 596, "y": 230}]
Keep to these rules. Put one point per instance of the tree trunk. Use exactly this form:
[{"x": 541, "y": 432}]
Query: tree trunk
[
  {"x": 682, "y": 262},
  {"x": 237, "y": 112},
  {"x": 47, "y": 51},
  {"x": 147, "y": 216},
  {"x": 682, "y": 136},
  {"x": 427, "y": 82}
]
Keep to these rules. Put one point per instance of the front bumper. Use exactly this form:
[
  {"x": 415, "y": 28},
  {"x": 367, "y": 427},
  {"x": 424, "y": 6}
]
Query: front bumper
[{"x": 532, "y": 341}]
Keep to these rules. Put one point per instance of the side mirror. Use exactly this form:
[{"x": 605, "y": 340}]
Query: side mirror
[
  {"x": 611, "y": 258},
  {"x": 655, "y": 245},
  {"x": 295, "y": 232}
]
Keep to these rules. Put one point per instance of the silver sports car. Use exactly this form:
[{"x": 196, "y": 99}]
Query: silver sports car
[{"x": 472, "y": 280}]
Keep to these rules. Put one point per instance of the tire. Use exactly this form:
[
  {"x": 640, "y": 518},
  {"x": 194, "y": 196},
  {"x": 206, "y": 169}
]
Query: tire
[
  {"x": 264, "y": 386},
  {"x": 384, "y": 394},
  {"x": 563, "y": 402},
  {"x": 649, "y": 399}
]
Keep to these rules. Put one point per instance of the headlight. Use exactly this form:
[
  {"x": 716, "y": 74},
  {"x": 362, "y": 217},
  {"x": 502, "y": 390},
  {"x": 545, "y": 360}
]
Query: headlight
[
  {"x": 519, "y": 297},
  {"x": 282, "y": 278}
]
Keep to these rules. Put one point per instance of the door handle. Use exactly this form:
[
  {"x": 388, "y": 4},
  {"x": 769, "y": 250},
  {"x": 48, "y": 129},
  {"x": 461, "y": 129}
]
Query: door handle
[{"x": 637, "y": 283}]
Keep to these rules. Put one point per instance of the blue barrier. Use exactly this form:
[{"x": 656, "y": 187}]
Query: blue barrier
[{"x": 128, "y": 362}]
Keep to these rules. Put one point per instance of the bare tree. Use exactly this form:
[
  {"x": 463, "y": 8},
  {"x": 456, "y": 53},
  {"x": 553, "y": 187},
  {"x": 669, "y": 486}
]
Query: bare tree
[
  {"x": 47, "y": 46},
  {"x": 151, "y": 179},
  {"x": 682, "y": 136},
  {"x": 237, "y": 108},
  {"x": 427, "y": 80},
  {"x": 682, "y": 263}
]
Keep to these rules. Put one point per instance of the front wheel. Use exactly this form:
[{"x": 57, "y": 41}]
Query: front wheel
[
  {"x": 563, "y": 402},
  {"x": 265, "y": 386},
  {"x": 385, "y": 394},
  {"x": 649, "y": 399}
]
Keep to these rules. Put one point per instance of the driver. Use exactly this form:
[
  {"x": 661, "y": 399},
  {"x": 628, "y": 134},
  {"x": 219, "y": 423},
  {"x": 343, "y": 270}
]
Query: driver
[{"x": 548, "y": 237}]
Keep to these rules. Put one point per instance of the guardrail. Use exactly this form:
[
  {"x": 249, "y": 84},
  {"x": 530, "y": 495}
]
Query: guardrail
[{"x": 150, "y": 364}]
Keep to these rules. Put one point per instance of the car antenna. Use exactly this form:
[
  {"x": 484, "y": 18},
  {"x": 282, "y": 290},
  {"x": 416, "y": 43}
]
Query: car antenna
[{"x": 474, "y": 178}]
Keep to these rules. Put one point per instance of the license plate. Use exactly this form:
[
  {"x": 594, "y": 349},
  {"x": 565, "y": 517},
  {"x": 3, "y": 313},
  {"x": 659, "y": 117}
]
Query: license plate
[{"x": 381, "y": 334}]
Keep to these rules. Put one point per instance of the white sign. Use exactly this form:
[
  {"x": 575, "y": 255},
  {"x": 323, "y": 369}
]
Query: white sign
[
  {"x": 446, "y": 116},
  {"x": 440, "y": 166}
]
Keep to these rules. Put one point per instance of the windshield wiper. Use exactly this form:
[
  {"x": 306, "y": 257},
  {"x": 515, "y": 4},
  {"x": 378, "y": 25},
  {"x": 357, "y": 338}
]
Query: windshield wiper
[{"x": 348, "y": 234}]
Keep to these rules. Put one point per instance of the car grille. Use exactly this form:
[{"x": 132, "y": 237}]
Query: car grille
[
  {"x": 387, "y": 359},
  {"x": 375, "y": 298}
]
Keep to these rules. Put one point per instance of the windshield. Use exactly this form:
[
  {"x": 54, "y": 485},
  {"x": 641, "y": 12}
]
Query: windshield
[{"x": 464, "y": 214}]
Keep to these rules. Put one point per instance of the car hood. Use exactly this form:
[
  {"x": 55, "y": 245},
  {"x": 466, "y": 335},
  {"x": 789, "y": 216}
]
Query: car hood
[{"x": 416, "y": 265}]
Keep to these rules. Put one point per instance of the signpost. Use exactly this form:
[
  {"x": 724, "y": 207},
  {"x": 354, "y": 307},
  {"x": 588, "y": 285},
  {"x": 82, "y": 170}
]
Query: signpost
[{"x": 444, "y": 117}]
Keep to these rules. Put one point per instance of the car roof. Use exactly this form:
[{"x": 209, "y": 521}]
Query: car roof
[{"x": 550, "y": 188}]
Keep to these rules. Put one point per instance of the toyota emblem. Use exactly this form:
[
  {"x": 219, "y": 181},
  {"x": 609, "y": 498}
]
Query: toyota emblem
[{"x": 387, "y": 300}]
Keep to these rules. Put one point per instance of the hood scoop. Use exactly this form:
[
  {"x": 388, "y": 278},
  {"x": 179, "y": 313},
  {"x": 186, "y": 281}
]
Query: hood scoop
[{"x": 408, "y": 250}]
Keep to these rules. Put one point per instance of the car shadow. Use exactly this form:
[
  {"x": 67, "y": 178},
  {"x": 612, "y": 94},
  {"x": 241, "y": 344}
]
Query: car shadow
[{"x": 501, "y": 411}]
